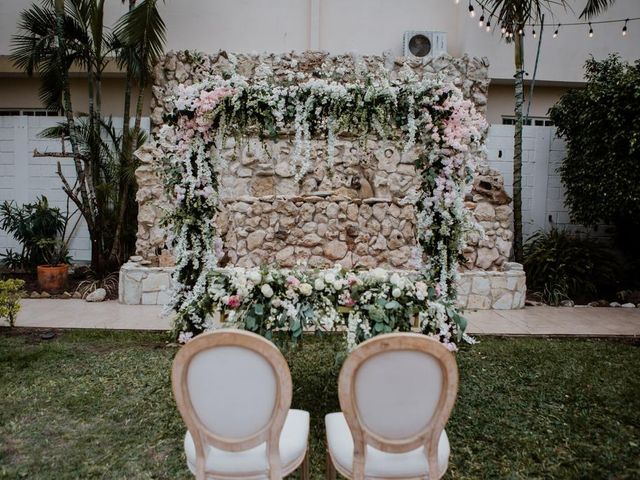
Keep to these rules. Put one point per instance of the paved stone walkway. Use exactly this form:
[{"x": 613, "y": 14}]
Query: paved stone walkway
[{"x": 557, "y": 321}]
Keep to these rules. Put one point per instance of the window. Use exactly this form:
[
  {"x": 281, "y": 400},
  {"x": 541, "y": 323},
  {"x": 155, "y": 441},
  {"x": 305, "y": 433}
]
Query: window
[
  {"x": 27, "y": 112},
  {"x": 530, "y": 121}
]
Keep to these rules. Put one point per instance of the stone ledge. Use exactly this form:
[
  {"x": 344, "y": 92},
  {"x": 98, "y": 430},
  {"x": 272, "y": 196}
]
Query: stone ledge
[{"x": 477, "y": 289}]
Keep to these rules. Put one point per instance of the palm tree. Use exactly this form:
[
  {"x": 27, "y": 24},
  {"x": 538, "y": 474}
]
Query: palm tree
[
  {"x": 512, "y": 16},
  {"x": 54, "y": 36}
]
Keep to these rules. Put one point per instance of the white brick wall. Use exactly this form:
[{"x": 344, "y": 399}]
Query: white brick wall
[
  {"x": 542, "y": 191},
  {"x": 23, "y": 178}
]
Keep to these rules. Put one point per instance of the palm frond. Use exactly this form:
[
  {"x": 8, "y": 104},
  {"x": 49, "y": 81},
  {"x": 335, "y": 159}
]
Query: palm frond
[
  {"x": 593, "y": 8},
  {"x": 142, "y": 33}
]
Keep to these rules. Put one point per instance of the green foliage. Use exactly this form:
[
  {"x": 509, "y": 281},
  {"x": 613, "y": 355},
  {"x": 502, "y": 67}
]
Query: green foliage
[
  {"x": 527, "y": 408},
  {"x": 10, "y": 293},
  {"x": 560, "y": 265},
  {"x": 601, "y": 124},
  {"x": 39, "y": 228}
]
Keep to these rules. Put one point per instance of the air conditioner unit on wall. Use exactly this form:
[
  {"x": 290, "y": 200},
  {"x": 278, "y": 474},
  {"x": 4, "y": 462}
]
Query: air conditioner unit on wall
[{"x": 423, "y": 44}]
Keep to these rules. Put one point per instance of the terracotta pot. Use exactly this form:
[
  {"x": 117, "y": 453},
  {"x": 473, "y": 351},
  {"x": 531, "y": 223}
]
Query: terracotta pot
[{"x": 53, "y": 278}]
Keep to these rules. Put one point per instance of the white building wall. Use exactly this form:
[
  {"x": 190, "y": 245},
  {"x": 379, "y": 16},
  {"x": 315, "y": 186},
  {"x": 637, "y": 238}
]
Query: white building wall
[{"x": 24, "y": 178}]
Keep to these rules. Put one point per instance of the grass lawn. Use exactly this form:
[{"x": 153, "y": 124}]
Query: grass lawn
[{"x": 99, "y": 405}]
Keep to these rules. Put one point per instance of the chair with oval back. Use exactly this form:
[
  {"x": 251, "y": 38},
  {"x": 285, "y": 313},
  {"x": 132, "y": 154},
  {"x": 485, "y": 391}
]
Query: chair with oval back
[
  {"x": 396, "y": 394},
  {"x": 233, "y": 390}
]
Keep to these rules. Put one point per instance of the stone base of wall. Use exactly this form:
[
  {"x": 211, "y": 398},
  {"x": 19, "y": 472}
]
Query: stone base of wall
[
  {"x": 505, "y": 290},
  {"x": 477, "y": 289}
]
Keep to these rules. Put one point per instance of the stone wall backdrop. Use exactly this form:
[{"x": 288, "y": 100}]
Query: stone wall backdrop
[{"x": 356, "y": 215}]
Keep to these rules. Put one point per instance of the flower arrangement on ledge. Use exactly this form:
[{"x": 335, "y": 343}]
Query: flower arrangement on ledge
[
  {"x": 364, "y": 303},
  {"x": 428, "y": 116}
]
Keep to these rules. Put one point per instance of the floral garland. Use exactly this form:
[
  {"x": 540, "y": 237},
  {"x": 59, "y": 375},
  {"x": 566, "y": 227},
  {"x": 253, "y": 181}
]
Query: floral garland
[{"x": 426, "y": 116}]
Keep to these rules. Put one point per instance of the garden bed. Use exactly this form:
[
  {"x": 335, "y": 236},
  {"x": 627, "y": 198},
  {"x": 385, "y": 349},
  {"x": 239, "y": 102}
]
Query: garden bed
[{"x": 98, "y": 404}]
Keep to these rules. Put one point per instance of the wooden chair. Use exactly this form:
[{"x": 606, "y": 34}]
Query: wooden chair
[
  {"x": 233, "y": 389},
  {"x": 396, "y": 394}
]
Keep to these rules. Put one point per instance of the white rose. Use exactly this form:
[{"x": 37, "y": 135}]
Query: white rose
[
  {"x": 254, "y": 276},
  {"x": 420, "y": 295},
  {"x": 379, "y": 274},
  {"x": 266, "y": 290},
  {"x": 337, "y": 285},
  {"x": 305, "y": 289},
  {"x": 276, "y": 302},
  {"x": 319, "y": 284},
  {"x": 395, "y": 280},
  {"x": 329, "y": 278},
  {"x": 396, "y": 292}
]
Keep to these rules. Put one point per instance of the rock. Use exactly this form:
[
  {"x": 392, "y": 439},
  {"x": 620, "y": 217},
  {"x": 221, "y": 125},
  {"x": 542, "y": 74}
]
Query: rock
[
  {"x": 335, "y": 250},
  {"x": 533, "y": 303},
  {"x": 66, "y": 295},
  {"x": 34, "y": 295},
  {"x": 599, "y": 303},
  {"x": 511, "y": 266},
  {"x": 567, "y": 303},
  {"x": 97, "y": 295},
  {"x": 628, "y": 305},
  {"x": 136, "y": 258},
  {"x": 486, "y": 257},
  {"x": 285, "y": 256},
  {"x": 614, "y": 305},
  {"x": 484, "y": 212},
  {"x": 76, "y": 294},
  {"x": 255, "y": 239},
  {"x": 45, "y": 295}
]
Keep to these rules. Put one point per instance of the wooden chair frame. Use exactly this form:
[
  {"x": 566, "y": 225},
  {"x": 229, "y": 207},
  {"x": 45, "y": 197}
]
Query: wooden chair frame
[
  {"x": 202, "y": 436},
  {"x": 429, "y": 437}
]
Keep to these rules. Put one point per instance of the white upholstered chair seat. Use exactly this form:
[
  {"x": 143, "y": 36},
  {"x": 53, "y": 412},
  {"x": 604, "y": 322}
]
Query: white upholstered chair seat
[
  {"x": 412, "y": 464},
  {"x": 253, "y": 463}
]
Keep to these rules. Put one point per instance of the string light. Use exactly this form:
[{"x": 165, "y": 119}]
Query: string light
[{"x": 485, "y": 19}]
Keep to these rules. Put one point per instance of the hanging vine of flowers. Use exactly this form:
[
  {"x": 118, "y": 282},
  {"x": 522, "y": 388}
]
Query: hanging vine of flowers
[{"x": 426, "y": 117}]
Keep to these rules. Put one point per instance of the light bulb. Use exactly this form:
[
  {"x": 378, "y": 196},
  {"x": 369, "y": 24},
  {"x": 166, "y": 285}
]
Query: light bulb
[
  {"x": 624, "y": 29},
  {"x": 472, "y": 12},
  {"x": 457, "y": 2},
  {"x": 590, "y": 30},
  {"x": 503, "y": 30},
  {"x": 481, "y": 21},
  {"x": 533, "y": 32},
  {"x": 488, "y": 28}
]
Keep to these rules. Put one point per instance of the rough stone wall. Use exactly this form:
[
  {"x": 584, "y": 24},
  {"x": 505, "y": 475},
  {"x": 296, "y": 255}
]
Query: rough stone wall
[{"x": 355, "y": 215}]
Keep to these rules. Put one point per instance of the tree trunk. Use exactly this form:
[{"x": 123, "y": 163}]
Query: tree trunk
[{"x": 517, "y": 148}]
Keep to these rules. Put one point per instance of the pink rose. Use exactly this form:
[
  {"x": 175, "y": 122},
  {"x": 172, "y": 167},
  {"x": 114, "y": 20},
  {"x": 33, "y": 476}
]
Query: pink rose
[{"x": 233, "y": 301}]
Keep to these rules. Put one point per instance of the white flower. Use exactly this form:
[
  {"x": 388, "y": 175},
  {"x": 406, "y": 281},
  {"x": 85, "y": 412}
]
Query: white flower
[
  {"x": 276, "y": 302},
  {"x": 305, "y": 289},
  {"x": 396, "y": 292},
  {"x": 254, "y": 276},
  {"x": 184, "y": 337},
  {"x": 379, "y": 274},
  {"x": 329, "y": 277},
  {"x": 338, "y": 284},
  {"x": 396, "y": 280},
  {"x": 319, "y": 284},
  {"x": 266, "y": 290}
]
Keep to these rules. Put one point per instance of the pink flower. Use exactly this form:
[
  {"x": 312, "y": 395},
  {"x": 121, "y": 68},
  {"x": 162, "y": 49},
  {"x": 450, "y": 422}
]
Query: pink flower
[
  {"x": 438, "y": 290},
  {"x": 233, "y": 301},
  {"x": 293, "y": 281}
]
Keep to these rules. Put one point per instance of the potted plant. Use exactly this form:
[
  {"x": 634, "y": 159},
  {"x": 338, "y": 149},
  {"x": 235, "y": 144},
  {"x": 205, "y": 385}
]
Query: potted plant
[
  {"x": 40, "y": 229},
  {"x": 54, "y": 272}
]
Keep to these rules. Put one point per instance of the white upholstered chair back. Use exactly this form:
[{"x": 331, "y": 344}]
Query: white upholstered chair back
[
  {"x": 233, "y": 389},
  {"x": 397, "y": 392}
]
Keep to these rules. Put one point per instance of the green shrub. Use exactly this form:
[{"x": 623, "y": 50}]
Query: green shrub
[
  {"x": 601, "y": 124},
  {"x": 10, "y": 293},
  {"x": 37, "y": 227},
  {"x": 561, "y": 265}
]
